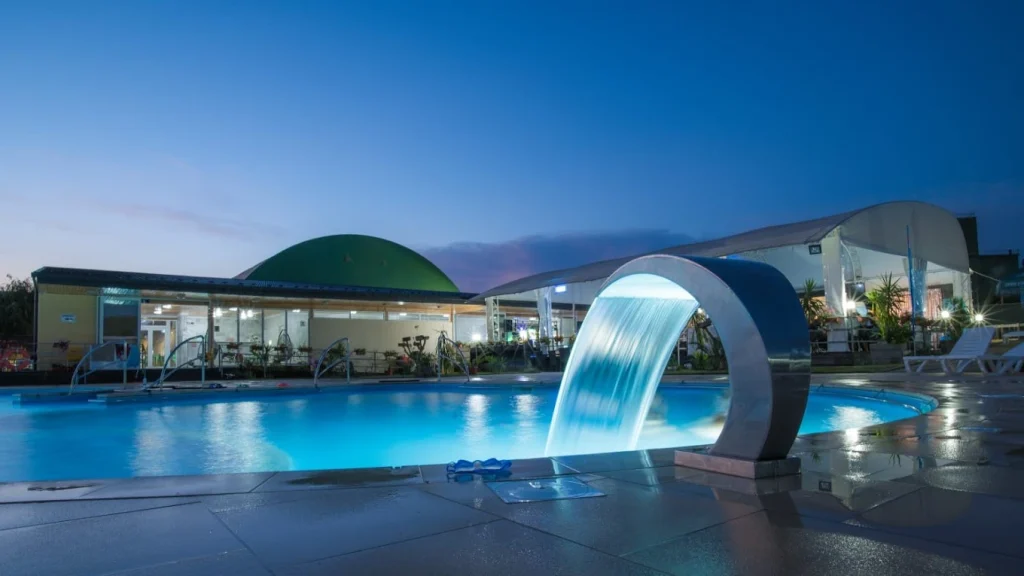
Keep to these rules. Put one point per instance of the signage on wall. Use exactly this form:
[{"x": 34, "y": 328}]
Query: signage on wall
[
  {"x": 67, "y": 318},
  {"x": 814, "y": 248}
]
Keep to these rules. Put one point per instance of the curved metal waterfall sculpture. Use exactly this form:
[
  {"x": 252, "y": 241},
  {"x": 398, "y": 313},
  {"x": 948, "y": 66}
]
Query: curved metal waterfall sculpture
[{"x": 631, "y": 329}]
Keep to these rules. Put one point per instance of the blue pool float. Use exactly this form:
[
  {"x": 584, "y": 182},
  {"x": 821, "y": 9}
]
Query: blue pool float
[{"x": 489, "y": 466}]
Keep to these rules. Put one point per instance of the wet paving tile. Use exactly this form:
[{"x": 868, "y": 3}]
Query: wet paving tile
[
  {"x": 333, "y": 522},
  {"x": 333, "y": 479},
  {"x": 856, "y": 464},
  {"x": 825, "y": 441},
  {"x": 240, "y": 562},
  {"x": 950, "y": 445},
  {"x": 643, "y": 516},
  {"x": 225, "y": 502},
  {"x": 770, "y": 542},
  {"x": 32, "y": 514},
  {"x": 597, "y": 463},
  {"x": 119, "y": 542},
  {"x": 499, "y": 547},
  {"x": 653, "y": 476},
  {"x": 990, "y": 480},
  {"x": 157, "y": 486},
  {"x": 972, "y": 520}
]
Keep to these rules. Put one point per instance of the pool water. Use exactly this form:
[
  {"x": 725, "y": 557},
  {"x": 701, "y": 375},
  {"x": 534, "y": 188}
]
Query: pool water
[{"x": 363, "y": 427}]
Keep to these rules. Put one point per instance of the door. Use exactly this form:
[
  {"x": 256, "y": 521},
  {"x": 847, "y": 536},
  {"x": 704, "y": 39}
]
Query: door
[{"x": 156, "y": 344}]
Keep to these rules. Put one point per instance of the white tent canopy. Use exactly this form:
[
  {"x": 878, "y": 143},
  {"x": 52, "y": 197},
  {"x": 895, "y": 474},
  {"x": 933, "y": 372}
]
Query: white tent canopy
[{"x": 868, "y": 242}]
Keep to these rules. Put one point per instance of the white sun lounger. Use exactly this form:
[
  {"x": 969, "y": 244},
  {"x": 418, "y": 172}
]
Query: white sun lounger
[
  {"x": 969, "y": 349},
  {"x": 1010, "y": 362}
]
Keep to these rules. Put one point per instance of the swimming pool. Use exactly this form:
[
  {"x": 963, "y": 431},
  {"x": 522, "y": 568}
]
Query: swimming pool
[{"x": 359, "y": 427}]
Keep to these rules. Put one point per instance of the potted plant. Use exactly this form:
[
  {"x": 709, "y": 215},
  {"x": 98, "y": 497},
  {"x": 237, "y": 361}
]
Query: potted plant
[
  {"x": 886, "y": 302},
  {"x": 814, "y": 308}
]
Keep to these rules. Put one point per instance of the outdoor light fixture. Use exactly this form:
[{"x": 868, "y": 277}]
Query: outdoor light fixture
[
  {"x": 945, "y": 314},
  {"x": 353, "y": 312},
  {"x": 167, "y": 306},
  {"x": 850, "y": 305},
  {"x": 401, "y": 303},
  {"x": 401, "y": 313},
  {"x": 979, "y": 318},
  {"x": 233, "y": 309},
  {"x": 297, "y": 311},
  {"x": 560, "y": 289}
]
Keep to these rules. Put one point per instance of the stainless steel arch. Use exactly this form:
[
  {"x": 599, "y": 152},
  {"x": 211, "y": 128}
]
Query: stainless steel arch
[{"x": 764, "y": 336}]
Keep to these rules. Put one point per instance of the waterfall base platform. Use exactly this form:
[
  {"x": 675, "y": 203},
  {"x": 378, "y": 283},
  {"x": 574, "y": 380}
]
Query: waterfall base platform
[{"x": 754, "y": 469}]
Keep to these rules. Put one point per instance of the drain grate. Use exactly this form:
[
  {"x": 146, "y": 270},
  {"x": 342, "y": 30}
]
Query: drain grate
[{"x": 543, "y": 489}]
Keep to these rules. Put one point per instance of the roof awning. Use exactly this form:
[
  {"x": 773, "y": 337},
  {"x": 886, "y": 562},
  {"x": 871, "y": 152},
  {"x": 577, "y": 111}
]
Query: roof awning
[
  {"x": 168, "y": 282},
  {"x": 934, "y": 234}
]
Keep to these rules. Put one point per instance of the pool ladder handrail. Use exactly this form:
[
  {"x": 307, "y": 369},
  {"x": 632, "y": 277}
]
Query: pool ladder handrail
[
  {"x": 346, "y": 358},
  {"x": 164, "y": 375},
  {"x": 442, "y": 353},
  {"x": 123, "y": 362}
]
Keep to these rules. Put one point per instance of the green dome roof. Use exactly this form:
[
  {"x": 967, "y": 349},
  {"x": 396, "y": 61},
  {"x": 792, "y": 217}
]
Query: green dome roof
[{"x": 352, "y": 260}]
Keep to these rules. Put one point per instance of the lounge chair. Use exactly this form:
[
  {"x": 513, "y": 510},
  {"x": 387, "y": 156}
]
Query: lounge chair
[
  {"x": 969, "y": 349},
  {"x": 1010, "y": 362}
]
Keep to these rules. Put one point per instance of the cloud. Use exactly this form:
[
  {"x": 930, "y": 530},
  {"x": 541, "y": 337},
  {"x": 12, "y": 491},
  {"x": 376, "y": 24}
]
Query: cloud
[
  {"x": 212, "y": 225},
  {"x": 476, "y": 267}
]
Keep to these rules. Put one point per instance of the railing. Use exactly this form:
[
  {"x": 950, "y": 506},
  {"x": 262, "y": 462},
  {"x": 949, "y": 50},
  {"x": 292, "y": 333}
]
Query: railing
[
  {"x": 317, "y": 372},
  {"x": 442, "y": 354},
  {"x": 121, "y": 359},
  {"x": 164, "y": 375}
]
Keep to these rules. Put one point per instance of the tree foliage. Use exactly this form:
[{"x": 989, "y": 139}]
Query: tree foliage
[
  {"x": 887, "y": 300},
  {"x": 814, "y": 308},
  {"x": 16, "y": 304}
]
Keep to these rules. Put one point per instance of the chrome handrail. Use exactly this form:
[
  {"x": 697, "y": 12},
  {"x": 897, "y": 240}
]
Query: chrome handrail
[
  {"x": 441, "y": 352},
  {"x": 123, "y": 361},
  {"x": 317, "y": 373},
  {"x": 202, "y": 358}
]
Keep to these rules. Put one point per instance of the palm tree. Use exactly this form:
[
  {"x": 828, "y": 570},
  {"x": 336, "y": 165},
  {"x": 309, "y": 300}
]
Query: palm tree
[{"x": 814, "y": 309}]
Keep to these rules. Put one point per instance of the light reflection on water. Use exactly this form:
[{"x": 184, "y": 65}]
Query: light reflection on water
[{"x": 345, "y": 430}]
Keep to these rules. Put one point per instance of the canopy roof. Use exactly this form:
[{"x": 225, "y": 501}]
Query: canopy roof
[{"x": 935, "y": 235}]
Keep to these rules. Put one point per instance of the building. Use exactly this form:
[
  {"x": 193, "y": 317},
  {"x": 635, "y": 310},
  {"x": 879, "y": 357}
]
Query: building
[
  {"x": 920, "y": 245},
  {"x": 376, "y": 292},
  {"x": 373, "y": 291},
  {"x": 989, "y": 269}
]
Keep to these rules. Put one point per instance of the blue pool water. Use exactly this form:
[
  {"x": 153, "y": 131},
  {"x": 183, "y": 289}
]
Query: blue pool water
[{"x": 364, "y": 427}]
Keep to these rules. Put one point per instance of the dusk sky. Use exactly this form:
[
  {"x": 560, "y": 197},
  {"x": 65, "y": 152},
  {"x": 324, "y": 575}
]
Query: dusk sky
[{"x": 498, "y": 138}]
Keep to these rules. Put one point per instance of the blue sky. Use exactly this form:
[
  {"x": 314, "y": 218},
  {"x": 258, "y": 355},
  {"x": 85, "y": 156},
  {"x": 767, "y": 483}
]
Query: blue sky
[{"x": 201, "y": 137}]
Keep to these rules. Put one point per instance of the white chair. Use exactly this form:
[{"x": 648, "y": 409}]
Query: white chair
[
  {"x": 1010, "y": 362},
  {"x": 969, "y": 349}
]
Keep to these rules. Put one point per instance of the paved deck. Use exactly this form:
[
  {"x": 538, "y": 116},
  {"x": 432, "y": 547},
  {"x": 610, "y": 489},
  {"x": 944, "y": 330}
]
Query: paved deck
[{"x": 940, "y": 493}]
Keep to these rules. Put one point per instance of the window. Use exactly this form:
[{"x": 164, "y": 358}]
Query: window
[
  {"x": 298, "y": 327},
  {"x": 331, "y": 314},
  {"x": 274, "y": 331},
  {"x": 403, "y": 316},
  {"x": 250, "y": 326},
  {"x": 119, "y": 319},
  {"x": 225, "y": 325}
]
